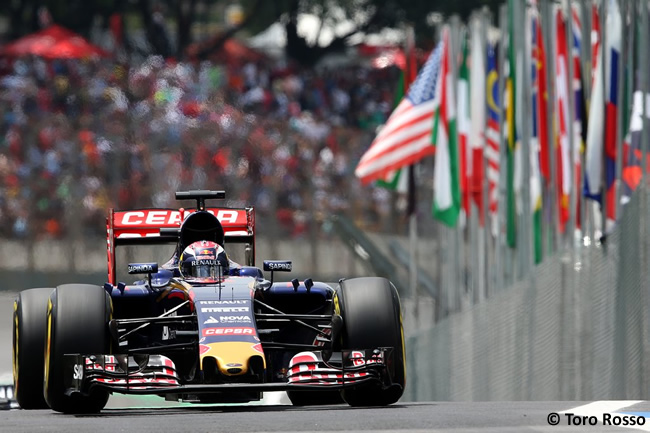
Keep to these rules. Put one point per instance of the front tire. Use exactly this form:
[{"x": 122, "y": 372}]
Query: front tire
[
  {"x": 77, "y": 319},
  {"x": 29, "y": 331},
  {"x": 372, "y": 318}
]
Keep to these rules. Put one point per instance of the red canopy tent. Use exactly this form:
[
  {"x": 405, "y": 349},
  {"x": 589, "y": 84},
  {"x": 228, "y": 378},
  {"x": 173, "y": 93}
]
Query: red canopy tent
[
  {"x": 231, "y": 51},
  {"x": 54, "y": 42}
]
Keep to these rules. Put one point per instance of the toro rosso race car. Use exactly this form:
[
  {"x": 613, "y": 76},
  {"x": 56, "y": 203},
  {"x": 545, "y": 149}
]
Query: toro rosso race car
[{"x": 204, "y": 329}]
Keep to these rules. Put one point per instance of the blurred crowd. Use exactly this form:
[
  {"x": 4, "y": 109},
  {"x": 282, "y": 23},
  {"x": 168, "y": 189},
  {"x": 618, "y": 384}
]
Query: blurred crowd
[{"x": 80, "y": 136}]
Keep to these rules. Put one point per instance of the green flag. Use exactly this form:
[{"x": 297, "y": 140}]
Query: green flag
[
  {"x": 446, "y": 187},
  {"x": 511, "y": 209}
]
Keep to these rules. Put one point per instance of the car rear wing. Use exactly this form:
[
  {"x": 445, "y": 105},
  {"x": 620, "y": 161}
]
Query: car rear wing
[{"x": 162, "y": 226}]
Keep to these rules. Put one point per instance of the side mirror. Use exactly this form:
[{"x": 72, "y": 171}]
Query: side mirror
[
  {"x": 277, "y": 266},
  {"x": 144, "y": 268}
]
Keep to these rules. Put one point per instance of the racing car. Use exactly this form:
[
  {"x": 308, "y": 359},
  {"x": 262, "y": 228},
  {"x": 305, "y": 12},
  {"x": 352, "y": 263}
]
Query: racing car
[{"x": 204, "y": 329}]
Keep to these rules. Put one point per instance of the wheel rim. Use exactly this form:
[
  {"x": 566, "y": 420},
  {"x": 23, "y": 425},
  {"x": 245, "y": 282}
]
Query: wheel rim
[
  {"x": 48, "y": 346},
  {"x": 15, "y": 348}
]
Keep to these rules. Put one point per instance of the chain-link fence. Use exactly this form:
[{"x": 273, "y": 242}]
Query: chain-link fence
[{"x": 575, "y": 329}]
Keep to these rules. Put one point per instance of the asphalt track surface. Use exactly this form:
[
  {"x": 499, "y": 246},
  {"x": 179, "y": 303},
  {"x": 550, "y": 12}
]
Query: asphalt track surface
[
  {"x": 488, "y": 417},
  {"x": 275, "y": 414}
]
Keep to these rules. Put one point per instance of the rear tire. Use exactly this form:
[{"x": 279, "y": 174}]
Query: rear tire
[
  {"x": 29, "y": 331},
  {"x": 372, "y": 318},
  {"x": 77, "y": 323}
]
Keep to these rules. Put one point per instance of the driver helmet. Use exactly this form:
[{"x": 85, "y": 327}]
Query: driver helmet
[{"x": 203, "y": 259}]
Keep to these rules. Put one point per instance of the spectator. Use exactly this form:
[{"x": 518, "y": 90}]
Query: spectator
[{"x": 77, "y": 137}]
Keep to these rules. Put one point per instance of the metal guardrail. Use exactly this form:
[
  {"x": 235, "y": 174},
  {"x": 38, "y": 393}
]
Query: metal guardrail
[
  {"x": 7, "y": 399},
  {"x": 366, "y": 250},
  {"x": 423, "y": 278}
]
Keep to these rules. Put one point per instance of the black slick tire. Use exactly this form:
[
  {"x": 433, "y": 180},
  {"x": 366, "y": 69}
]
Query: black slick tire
[
  {"x": 29, "y": 331},
  {"x": 77, "y": 320},
  {"x": 371, "y": 313}
]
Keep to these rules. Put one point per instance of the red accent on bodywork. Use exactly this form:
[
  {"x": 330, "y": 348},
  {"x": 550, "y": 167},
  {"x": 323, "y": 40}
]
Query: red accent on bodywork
[
  {"x": 110, "y": 246},
  {"x": 143, "y": 222},
  {"x": 228, "y": 331}
]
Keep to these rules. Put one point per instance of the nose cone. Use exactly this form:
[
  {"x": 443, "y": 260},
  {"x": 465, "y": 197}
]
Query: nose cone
[{"x": 232, "y": 358}]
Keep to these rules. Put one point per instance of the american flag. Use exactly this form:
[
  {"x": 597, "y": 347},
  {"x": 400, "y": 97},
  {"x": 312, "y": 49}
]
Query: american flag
[
  {"x": 493, "y": 134},
  {"x": 406, "y": 137}
]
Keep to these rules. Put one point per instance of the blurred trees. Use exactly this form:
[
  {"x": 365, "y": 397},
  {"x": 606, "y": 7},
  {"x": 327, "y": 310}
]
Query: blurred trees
[{"x": 167, "y": 24}]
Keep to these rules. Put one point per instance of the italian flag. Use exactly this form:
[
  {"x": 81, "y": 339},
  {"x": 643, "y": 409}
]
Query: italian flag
[{"x": 446, "y": 188}]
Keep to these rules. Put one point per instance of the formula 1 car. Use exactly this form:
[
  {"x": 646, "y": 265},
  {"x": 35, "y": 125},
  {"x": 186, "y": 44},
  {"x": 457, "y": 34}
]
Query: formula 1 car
[{"x": 223, "y": 339}]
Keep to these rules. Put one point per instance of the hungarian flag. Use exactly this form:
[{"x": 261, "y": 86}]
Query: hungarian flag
[
  {"x": 406, "y": 137},
  {"x": 446, "y": 188}
]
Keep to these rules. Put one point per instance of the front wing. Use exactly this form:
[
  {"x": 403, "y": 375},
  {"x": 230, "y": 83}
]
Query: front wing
[{"x": 157, "y": 374}]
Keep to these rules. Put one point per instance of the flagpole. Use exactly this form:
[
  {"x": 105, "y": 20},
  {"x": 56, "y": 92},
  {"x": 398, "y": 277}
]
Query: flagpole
[
  {"x": 460, "y": 283},
  {"x": 413, "y": 233},
  {"x": 485, "y": 277},
  {"x": 645, "y": 132},
  {"x": 412, "y": 189},
  {"x": 480, "y": 250},
  {"x": 645, "y": 87},
  {"x": 631, "y": 67},
  {"x": 586, "y": 88},
  {"x": 571, "y": 106},
  {"x": 603, "y": 67},
  {"x": 524, "y": 50},
  {"x": 585, "y": 18},
  {"x": 549, "y": 187},
  {"x": 472, "y": 247},
  {"x": 619, "y": 114},
  {"x": 504, "y": 268},
  {"x": 590, "y": 206},
  {"x": 463, "y": 122}
]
